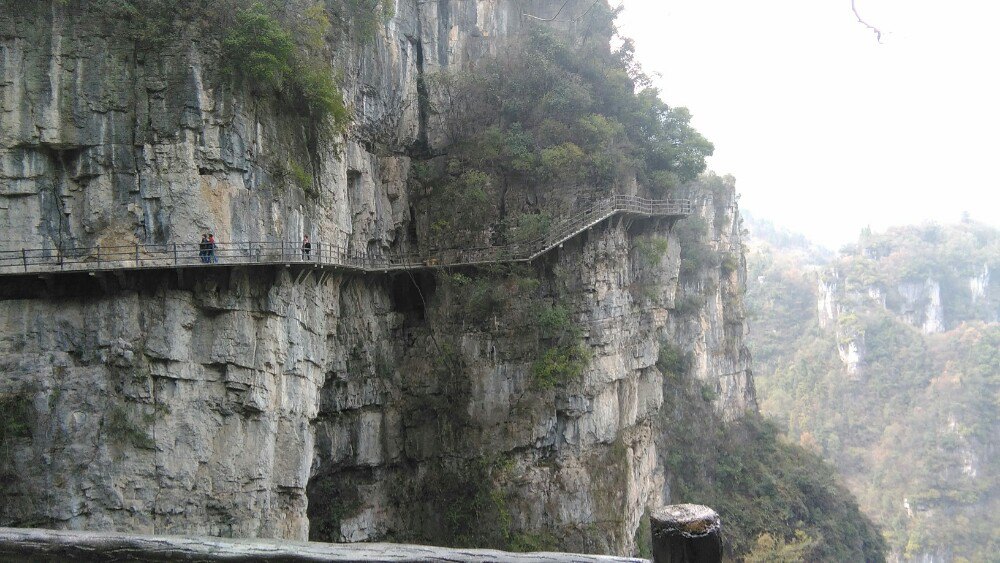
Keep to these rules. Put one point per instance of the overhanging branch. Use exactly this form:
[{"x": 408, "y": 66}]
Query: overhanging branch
[{"x": 875, "y": 30}]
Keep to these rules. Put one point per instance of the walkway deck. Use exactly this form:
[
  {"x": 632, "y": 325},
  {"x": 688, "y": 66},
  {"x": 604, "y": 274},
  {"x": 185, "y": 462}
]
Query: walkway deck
[{"x": 186, "y": 255}]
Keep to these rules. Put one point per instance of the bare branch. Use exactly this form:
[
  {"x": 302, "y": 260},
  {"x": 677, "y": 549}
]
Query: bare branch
[
  {"x": 875, "y": 30},
  {"x": 583, "y": 15},
  {"x": 553, "y": 18}
]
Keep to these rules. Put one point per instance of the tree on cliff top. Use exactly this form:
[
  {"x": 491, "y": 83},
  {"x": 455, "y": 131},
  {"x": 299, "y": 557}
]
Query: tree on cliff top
[
  {"x": 555, "y": 117},
  {"x": 259, "y": 50}
]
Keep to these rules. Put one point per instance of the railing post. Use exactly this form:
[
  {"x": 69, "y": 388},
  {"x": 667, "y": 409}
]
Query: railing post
[
  {"x": 686, "y": 533},
  {"x": 24, "y": 258},
  {"x": 136, "y": 255}
]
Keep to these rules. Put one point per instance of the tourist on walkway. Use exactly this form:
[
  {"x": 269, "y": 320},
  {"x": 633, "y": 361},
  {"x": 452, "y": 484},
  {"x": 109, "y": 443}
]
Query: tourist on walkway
[
  {"x": 306, "y": 247},
  {"x": 211, "y": 249},
  {"x": 203, "y": 248}
]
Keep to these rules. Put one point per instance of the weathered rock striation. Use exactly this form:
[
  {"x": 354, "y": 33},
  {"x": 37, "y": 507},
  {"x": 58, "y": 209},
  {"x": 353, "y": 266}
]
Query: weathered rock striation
[{"x": 249, "y": 403}]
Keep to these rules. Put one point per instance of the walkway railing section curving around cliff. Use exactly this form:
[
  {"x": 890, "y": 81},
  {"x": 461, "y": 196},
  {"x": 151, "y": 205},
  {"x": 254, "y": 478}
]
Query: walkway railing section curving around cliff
[{"x": 252, "y": 253}]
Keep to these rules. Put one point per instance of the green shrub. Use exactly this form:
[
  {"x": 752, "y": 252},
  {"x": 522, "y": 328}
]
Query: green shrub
[
  {"x": 567, "y": 98},
  {"x": 121, "y": 428},
  {"x": 259, "y": 50},
  {"x": 597, "y": 131},
  {"x": 460, "y": 208},
  {"x": 560, "y": 365},
  {"x": 554, "y": 323},
  {"x": 759, "y": 484},
  {"x": 564, "y": 356},
  {"x": 529, "y": 543},
  {"x": 774, "y": 549},
  {"x": 317, "y": 92},
  {"x": 696, "y": 253},
  {"x": 301, "y": 177},
  {"x": 363, "y": 17},
  {"x": 644, "y": 537},
  {"x": 269, "y": 57},
  {"x": 501, "y": 150},
  {"x": 483, "y": 299},
  {"x": 650, "y": 250},
  {"x": 17, "y": 413},
  {"x": 689, "y": 304},
  {"x": 155, "y": 24},
  {"x": 506, "y": 291},
  {"x": 661, "y": 182},
  {"x": 730, "y": 263},
  {"x": 672, "y": 360},
  {"x": 708, "y": 393},
  {"x": 531, "y": 227},
  {"x": 564, "y": 163}
]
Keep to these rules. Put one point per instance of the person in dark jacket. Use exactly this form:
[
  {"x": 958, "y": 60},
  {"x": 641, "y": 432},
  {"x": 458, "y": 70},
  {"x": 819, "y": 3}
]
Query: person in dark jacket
[
  {"x": 203, "y": 249},
  {"x": 306, "y": 247},
  {"x": 211, "y": 249}
]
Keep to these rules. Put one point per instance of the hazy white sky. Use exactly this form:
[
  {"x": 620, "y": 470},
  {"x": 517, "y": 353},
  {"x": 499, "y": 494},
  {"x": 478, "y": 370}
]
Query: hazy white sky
[{"x": 825, "y": 129}]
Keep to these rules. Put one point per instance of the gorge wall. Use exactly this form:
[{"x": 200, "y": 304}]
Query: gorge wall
[{"x": 255, "y": 403}]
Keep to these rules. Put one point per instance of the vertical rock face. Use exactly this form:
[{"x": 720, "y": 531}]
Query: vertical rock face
[
  {"x": 715, "y": 333},
  {"x": 166, "y": 408},
  {"x": 251, "y": 403},
  {"x": 978, "y": 284},
  {"x": 826, "y": 302},
  {"x": 921, "y": 305},
  {"x": 850, "y": 352}
]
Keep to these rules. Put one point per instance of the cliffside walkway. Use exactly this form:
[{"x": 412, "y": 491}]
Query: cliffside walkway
[{"x": 271, "y": 253}]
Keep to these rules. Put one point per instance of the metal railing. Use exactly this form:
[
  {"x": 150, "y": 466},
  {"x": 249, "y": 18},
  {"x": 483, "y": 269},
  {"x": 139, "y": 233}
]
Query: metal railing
[{"x": 175, "y": 255}]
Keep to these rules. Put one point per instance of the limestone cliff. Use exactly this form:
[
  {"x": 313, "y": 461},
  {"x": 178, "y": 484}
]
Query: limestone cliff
[
  {"x": 251, "y": 402},
  {"x": 933, "y": 278}
]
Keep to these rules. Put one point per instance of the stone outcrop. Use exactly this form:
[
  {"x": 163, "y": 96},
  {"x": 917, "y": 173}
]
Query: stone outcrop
[
  {"x": 258, "y": 403},
  {"x": 921, "y": 305}
]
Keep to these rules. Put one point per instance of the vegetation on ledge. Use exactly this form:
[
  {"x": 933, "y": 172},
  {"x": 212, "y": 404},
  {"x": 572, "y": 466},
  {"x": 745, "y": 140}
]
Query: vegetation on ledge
[
  {"x": 547, "y": 124},
  {"x": 277, "y": 50}
]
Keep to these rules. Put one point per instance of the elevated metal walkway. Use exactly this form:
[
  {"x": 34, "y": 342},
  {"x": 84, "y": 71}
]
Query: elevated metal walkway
[{"x": 269, "y": 253}]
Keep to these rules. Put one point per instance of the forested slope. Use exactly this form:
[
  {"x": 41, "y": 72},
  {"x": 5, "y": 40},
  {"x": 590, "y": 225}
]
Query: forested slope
[{"x": 886, "y": 361}]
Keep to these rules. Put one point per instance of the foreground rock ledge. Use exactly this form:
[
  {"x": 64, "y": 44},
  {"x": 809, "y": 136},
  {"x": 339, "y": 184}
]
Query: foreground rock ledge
[
  {"x": 32, "y": 544},
  {"x": 686, "y": 533}
]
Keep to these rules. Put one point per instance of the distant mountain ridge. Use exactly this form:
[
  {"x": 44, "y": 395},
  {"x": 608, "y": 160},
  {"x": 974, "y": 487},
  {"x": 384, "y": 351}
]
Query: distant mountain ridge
[{"x": 886, "y": 360}]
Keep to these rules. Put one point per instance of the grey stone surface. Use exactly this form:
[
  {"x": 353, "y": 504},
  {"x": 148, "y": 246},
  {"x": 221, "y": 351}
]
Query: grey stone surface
[{"x": 30, "y": 544}]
